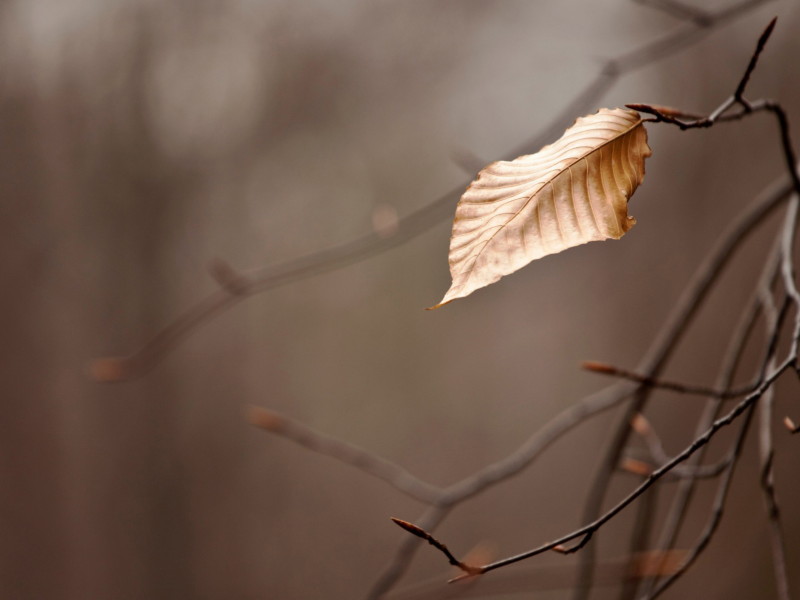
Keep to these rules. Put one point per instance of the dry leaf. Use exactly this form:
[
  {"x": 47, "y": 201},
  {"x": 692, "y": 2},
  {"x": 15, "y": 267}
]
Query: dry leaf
[{"x": 569, "y": 193}]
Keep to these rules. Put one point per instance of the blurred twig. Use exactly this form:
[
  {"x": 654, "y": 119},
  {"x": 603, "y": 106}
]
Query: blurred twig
[
  {"x": 679, "y": 10},
  {"x": 376, "y": 466},
  {"x": 761, "y": 302},
  {"x": 674, "y": 386}
]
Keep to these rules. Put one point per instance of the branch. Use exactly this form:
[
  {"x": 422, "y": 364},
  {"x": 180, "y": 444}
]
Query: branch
[
  {"x": 716, "y": 512},
  {"x": 770, "y": 497},
  {"x": 698, "y": 443},
  {"x": 731, "y": 361},
  {"x": 608, "y": 467},
  {"x": 642, "y": 427},
  {"x": 376, "y": 466},
  {"x": 682, "y": 388},
  {"x": 760, "y": 301},
  {"x": 773, "y": 328},
  {"x": 141, "y": 361},
  {"x": 682, "y": 11}
]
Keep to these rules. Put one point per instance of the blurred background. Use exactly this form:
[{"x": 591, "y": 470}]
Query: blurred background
[{"x": 140, "y": 139}]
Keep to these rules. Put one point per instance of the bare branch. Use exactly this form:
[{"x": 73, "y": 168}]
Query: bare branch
[
  {"x": 421, "y": 533},
  {"x": 376, "y": 466},
  {"x": 642, "y": 427},
  {"x": 716, "y": 512},
  {"x": 770, "y": 496},
  {"x": 698, "y": 443},
  {"x": 762, "y": 41},
  {"x": 679, "y": 10},
  {"x": 759, "y": 301},
  {"x": 402, "y": 557},
  {"x": 670, "y": 332},
  {"x": 682, "y": 388}
]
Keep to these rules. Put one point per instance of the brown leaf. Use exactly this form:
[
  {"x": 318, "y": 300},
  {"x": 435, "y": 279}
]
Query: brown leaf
[{"x": 569, "y": 193}]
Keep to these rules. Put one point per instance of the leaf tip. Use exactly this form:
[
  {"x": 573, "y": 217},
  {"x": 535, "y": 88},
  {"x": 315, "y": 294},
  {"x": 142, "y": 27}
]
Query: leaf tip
[{"x": 435, "y": 306}]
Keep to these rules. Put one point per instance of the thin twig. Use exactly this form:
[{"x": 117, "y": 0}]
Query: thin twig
[
  {"x": 730, "y": 364},
  {"x": 771, "y": 498},
  {"x": 421, "y": 533},
  {"x": 639, "y": 467},
  {"x": 716, "y": 511},
  {"x": 674, "y": 386},
  {"x": 765, "y": 412},
  {"x": 605, "y": 473},
  {"x": 698, "y": 443},
  {"x": 376, "y": 466},
  {"x": 679, "y": 10},
  {"x": 654, "y": 445},
  {"x": 762, "y": 41},
  {"x": 773, "y": 329}
]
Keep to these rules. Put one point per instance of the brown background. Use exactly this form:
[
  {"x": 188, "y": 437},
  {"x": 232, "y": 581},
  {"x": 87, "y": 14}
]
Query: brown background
[{"x": 139, "y": 139}]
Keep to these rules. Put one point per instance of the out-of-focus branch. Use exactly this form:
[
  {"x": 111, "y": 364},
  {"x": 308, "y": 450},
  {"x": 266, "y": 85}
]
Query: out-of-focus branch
[
  {"x": 760, "y": 302},
  {"x": 376, "y": 466},
  {"x": 645, "y": 430},
  {"x": 237, "y": 286},
  {"x": 765, "y": 412},
  {"x": 679, "y": 10},
  {"x": 730, "y": 364},
  {"x": 773, "y": 332},
  {"x": 588, "y": 530},
  {"x": 681, "y": 388},
  {"x": 716, "y": 511},
  {"x": 770, "y": 497}
]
